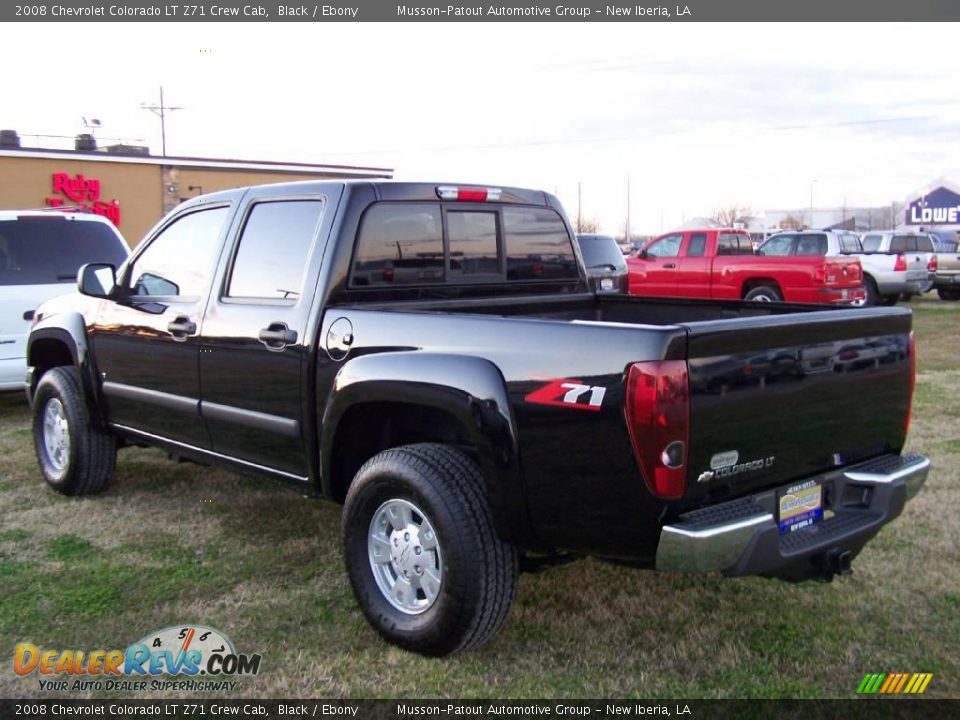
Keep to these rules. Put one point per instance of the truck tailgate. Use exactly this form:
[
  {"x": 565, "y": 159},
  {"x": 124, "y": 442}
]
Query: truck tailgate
[{"x": 779, "y": 398}]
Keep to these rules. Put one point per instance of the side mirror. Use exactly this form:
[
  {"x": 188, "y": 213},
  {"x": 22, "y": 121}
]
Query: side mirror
[
  {"x": 642, "y": 253},
  {"x": 97, "y": 280}
]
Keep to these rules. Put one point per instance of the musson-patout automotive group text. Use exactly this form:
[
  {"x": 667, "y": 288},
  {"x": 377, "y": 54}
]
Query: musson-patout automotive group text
[{"x": 580, "y": 11}]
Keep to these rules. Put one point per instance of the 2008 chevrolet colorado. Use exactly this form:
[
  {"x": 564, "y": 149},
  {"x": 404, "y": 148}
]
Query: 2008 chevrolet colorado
[{"x": 430, "y": 356}]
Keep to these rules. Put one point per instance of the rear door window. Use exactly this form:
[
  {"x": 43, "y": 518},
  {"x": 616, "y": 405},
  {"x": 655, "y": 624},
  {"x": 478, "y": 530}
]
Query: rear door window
[
  {"x": 50, "y": 250},
  {"x": 871, "y": 243},
  {"x": 273, "y": 249},
  {"x": 696, "y": 245}
]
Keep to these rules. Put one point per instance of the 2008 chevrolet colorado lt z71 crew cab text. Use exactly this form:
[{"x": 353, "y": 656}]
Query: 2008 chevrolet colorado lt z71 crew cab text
[{"x": 431, "y": 357}]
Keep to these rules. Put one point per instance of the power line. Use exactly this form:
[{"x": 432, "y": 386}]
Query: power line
[{"x": 613, "y": 138}]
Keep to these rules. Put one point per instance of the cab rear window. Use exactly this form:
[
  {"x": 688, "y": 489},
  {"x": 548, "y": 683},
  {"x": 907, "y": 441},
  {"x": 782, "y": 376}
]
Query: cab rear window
[
  {"x": 404, "y": 244},
  {"x": 50, "y": 250}
]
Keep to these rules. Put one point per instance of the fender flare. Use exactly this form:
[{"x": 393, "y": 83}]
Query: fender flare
[
  {"x": 470, "y": 389},
  {"x": 70, "y": 330}
]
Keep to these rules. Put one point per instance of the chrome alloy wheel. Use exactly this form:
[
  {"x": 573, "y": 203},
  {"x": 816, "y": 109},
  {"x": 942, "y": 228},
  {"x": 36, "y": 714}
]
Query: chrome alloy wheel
[
  {"x": 405, "y": 556},
  {"x": 56, "y": 435}
]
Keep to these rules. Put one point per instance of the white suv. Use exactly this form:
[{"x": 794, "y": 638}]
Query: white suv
[{"x": 40, "y": 253}]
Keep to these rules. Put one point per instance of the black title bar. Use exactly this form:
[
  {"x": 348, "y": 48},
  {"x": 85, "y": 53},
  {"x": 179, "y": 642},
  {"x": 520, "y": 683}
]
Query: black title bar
[
  {"x": 504, "y": 11},
  {"x": 30, "y": 709}
]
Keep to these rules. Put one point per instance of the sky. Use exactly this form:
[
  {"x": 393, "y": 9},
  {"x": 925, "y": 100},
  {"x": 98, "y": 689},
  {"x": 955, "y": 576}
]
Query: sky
[{"x": 697, "y": 116}]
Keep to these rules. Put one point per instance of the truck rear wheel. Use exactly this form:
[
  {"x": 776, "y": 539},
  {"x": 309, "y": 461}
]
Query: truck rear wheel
[
  {"x": 763, "y": 293},
  {"x": 75, "y": 457},
  {"x": 425, "y": 563}
]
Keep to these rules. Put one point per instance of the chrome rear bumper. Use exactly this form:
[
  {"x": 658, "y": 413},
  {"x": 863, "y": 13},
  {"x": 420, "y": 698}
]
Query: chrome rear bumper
[{"x": 742, "y": 537}]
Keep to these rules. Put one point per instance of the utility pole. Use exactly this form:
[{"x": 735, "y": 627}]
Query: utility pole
[
  {"x": 579, "y": 207},
  {"x": 812, "y": 183},
  {"x": 626, "y": 229},
  {"x": 161, "y": 111}
]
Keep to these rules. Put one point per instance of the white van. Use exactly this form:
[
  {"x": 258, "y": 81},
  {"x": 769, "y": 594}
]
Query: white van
[{"x": 40, "y": 253}]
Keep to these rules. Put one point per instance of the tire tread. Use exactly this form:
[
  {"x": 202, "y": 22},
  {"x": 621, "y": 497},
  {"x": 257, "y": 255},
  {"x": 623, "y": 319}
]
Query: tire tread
[{"x": 95, "y": 456}]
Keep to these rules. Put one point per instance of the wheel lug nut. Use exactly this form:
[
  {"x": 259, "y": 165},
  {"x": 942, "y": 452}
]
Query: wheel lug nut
[
  {"x": 406, "y": 536},
  {"x": 418, "y": 549},
  {"x": 419, "y": 570},
  {"x": 396, "y": 541}
]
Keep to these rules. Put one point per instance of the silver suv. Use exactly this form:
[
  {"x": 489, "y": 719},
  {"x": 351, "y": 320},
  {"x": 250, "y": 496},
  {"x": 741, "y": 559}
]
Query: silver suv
[{"x": 40, "y": 253}]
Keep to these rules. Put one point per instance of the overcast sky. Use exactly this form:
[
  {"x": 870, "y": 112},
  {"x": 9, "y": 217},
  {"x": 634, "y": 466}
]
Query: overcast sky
[{"x": 699, "y": 116}]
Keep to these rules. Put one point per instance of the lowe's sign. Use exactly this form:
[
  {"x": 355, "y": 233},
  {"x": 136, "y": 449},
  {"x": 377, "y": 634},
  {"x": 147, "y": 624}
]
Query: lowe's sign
[{"x": 938, "y": 207}]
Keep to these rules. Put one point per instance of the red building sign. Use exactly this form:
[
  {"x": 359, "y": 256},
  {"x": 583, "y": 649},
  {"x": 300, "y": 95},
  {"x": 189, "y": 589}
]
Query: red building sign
[{"x": 82, "y": 194}]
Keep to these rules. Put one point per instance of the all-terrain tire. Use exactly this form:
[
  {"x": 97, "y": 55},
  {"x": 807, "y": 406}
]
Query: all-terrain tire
[
  {"x": 479, "y": 570},
  {"x": 75, "y": 457}
]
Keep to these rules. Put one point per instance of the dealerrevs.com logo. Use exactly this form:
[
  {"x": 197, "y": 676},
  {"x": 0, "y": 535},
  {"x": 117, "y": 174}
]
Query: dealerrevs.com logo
[{"x": 184, "y": 652}]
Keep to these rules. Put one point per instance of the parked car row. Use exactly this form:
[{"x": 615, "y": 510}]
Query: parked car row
[{"x": 803, "y": 266}]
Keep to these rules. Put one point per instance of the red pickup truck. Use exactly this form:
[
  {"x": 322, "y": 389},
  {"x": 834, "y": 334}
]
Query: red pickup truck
[{"x": 720, "y": 263}]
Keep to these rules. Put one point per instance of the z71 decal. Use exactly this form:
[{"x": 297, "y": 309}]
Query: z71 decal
[{"x": 570, "y": 394}]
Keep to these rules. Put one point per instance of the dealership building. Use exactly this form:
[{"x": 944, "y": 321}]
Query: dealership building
[{"x": 131, "y": 187}]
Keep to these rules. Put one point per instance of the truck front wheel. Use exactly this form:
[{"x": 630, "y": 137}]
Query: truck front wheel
[
  {"x": 75, "y": 457},
  {"x": 425, "y": 563}
]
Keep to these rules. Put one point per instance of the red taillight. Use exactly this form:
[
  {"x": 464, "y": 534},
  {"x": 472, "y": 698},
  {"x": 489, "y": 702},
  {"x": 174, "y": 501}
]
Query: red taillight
[
  {"x": 448, "y": 192},
  {"x": 820, "y": 274},
  {"x": 913, "y": 380},
  {"x": 932, "y": 265},
  {"x": 658, "y": 417},
  {"x": 388, "y": 274},
  {"x": 901, "y": 265}
]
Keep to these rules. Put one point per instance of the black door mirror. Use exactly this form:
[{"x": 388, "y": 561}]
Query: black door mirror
[{"x": 97, "y": 280}]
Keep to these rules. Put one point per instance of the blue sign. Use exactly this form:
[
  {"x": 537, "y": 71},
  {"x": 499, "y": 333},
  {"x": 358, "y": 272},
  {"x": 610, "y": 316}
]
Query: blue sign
[{"x": 938, "y": 207}]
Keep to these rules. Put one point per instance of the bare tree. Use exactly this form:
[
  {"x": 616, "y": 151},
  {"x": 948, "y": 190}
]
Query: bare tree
[
  {"x": 790, "y": 222},
  {"x": 731, "y": 214},
  {"x": 588, "y": 225},
  {"x": 896, "y": 213}
]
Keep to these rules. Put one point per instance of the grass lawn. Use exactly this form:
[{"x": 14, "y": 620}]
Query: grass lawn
[{"x": 175, "y": 543}]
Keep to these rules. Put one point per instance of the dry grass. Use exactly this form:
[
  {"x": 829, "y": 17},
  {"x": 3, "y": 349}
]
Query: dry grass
[{"x": 168, "y": 544}]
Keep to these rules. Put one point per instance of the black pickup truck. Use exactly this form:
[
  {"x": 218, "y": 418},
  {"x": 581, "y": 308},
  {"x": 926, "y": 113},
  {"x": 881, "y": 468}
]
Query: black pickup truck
[{"x": 431, "y": 357}]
